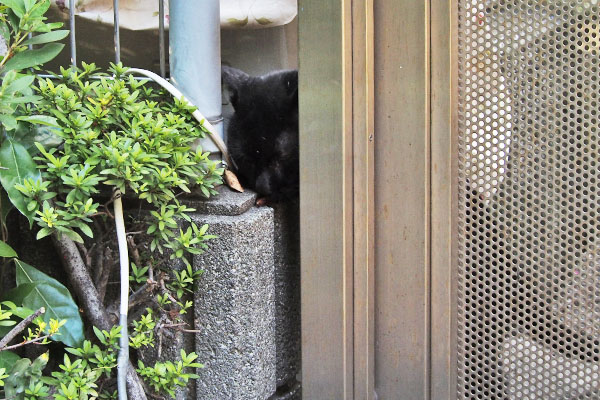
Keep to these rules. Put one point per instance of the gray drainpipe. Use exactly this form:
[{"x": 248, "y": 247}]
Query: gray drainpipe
[{"x": 195, "y": 57}]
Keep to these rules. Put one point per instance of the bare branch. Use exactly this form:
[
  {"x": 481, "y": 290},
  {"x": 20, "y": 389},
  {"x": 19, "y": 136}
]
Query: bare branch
[
  {"x": 81, "y": 281},
  {"x": 33, "y": 341},
  {"x": 108, "y": 265},
  {"x": 98, "y": 264},
  {"x": 164, "y": 289},
  {"x": 135, "y": 233},
  {"x": 19, "y": 328},
  {"x": 89, "y": 298},
  {"x": 179, "y": 328},
  {"x": 135, "y": 254},
  {"x": 143, "y": 294},
  {"x": 86, "y": 256}
]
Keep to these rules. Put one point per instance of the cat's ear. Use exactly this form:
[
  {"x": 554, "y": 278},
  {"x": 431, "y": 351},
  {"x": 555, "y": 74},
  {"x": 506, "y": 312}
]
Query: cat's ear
[
  {"x": 234, "y": 79},
  {"x": 291, "y": 82},
  {"x": 291, "y": 87}
]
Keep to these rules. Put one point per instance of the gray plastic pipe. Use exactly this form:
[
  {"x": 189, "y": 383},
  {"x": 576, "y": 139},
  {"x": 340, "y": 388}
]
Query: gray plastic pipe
[{"x": 195, "y": 58}]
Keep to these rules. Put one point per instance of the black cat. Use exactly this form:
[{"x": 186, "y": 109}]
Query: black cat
[{"x": 262, "y": 136}]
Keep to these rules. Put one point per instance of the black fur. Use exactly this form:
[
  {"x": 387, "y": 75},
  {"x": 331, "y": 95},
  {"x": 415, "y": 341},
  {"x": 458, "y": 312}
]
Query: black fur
[{"x": 262, "y": 136}]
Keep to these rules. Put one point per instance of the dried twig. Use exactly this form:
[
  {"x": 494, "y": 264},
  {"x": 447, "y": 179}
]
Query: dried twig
[
  {"x": 135, "y": 254},
  {"x": 159, "y": 330},
  {"x": 107, "y": 268},
  {"x": 108, "y": 203},
  {"x": 179, "y": 328},
  {"x": 19, "y": 328},
  {"x": 140, "y": 296},
  {"x": 135, "y": 233},
  {"x": 163, "y": 288},
  {"x": 33, "y": 341},
  {"x": 98, "y": 264}
]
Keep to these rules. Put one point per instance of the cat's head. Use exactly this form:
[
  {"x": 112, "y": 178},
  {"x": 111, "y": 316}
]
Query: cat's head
[
  {"x": 262, "y": 98},
  {"x": 263, "y": 131}
]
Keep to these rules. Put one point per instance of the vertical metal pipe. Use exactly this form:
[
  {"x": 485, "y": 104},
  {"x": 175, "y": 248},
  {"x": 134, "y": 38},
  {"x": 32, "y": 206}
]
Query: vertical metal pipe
[
  {"x": 117, "y": 32},
  {"x": 72, "y": 34},
  {"x": 161, "y": 37},
  {"x": 195, "y": 57}
]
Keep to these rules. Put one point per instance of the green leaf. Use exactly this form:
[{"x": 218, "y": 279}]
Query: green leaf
[
  {"x": 238, "y": 23},
  {"x": 48, "y": 37},
  {"x": 74, "y": 236},
  {"x": 17, "y": 294},
  {"x": 5, "y": 206},
  {"x": 41, "y": 9},
  {"x": 28, "y": 4},
  {"x": 22, "y": 99},
  {"x": 39, "y": 119},
  {"x": 86, "y": 230},
  {"x": 18, "y": 6},
  {"x": 19, "y": 84},
  {"x": 264, "y": 21},
  {"x": 32, "y": 58},
  {"x": 43, "y": 233},
  {"x": 57, "y": 300},
  {"x": 4, "y": 31},
  {"x": 6, "y": 250},
  {"x": 9, "y": 122},
  {"x": 19, "y": 166},
  {"x": 7, "y": 359},
  {"x": 49, "y": 27}
]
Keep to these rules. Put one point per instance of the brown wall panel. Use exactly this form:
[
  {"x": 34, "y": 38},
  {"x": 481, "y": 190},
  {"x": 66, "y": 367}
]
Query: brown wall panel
[
  {"x": 325, "y": 194},
  {"x": 401, "y": 199}
]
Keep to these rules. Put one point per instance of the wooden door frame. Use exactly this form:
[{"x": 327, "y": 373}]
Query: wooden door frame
[{"x": 325, "y": 105}]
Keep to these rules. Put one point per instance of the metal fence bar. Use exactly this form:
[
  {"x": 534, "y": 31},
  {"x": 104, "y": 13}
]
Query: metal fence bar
[
  {"x": 117, "y": 32},
  {"x": 161, "y": 37},
  {"x": 72, "y": 34}
]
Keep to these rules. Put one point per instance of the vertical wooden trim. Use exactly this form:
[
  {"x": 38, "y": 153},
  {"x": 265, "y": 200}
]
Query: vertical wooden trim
[
  {"x": 402, "y": 199},
  {"x": 428, "y": 195},
  {"x": 348, "y": 205},
  {"x": 326, "y": 208},
  {"x": 364, "y": 216},
  {"x": 443, "y": 205}
]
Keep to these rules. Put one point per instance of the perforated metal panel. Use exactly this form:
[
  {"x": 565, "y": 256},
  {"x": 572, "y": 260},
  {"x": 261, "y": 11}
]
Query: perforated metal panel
[{"x": 529, "y": 200}]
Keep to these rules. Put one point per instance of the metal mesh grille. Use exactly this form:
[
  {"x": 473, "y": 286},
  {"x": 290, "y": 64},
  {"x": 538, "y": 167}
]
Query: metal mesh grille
[{"x": 529, "y": 199}]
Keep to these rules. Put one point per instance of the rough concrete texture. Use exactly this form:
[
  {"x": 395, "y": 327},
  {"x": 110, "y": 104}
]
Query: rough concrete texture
[
  {"x": 287, "y": 290},
  {"x": 235, "y": 308},
  {"x": 227, "y": 202}
]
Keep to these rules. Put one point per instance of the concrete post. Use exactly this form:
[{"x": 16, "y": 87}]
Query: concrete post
[{"x": 234, "y": 306}]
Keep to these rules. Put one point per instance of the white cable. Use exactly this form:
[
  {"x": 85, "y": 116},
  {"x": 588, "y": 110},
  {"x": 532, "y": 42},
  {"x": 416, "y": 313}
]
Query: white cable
[{"x": 214, "y": 136}]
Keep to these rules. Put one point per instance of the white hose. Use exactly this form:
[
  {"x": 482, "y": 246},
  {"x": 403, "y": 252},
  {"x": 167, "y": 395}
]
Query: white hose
[
  {"x": 196, "y": 114},
  {"x": 123, "y": 358}
]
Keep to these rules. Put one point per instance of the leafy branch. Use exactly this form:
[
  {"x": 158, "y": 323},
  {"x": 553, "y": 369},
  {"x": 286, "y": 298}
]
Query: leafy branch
[{"x": 19, "y": 328}]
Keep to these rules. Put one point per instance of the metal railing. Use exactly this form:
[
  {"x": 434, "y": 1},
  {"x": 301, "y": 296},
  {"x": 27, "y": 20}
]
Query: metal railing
[
  {"x": 117, "y": 35},
  {"x": 203, "y": 87}
]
